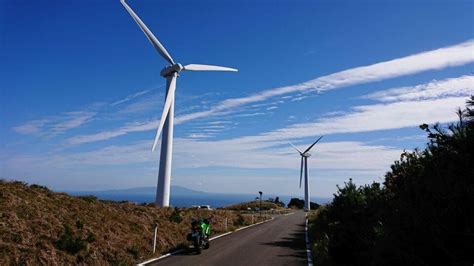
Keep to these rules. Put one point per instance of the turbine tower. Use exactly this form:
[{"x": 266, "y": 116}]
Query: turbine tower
[
  {"x": 170, "y": 73},
  {"x": 304, "y": 163}
]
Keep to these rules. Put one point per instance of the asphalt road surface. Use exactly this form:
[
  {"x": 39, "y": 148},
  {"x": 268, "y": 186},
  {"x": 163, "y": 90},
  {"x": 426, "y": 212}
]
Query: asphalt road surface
[{"x": 278, "y": 242}]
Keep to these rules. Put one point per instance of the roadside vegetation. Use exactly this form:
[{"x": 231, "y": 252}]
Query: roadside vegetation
[
  {"x": 252, "y": 206},
  {"x": 38, "y": 226},
  {"x": 296, "y": 203},
  {"x": 422, "y": 214}
]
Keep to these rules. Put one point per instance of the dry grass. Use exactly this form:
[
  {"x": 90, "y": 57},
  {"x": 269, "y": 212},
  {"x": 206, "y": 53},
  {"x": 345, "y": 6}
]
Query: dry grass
[{"x": 33, "y": 220}]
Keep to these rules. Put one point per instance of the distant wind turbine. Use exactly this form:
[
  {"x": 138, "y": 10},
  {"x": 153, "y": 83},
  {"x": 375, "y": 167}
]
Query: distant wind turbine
[
  {"x": 304, "y": 163},
  {"x": 171, "y": 73}
]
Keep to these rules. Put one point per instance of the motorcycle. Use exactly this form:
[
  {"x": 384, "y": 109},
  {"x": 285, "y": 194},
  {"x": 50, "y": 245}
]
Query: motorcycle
[{"x": 200, "y": 231}]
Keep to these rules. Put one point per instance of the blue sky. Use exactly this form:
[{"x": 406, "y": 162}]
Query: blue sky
[{"x": 81, "y": 92}]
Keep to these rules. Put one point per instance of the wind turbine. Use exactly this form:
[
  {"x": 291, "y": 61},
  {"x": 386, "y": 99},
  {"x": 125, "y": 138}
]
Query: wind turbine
[
  {"x": 170, "y": 73},
  {"x": 304, "y": 163}
]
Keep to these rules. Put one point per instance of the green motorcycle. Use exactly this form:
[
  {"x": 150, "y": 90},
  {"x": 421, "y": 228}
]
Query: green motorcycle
[{"x": 200, "y": 231}]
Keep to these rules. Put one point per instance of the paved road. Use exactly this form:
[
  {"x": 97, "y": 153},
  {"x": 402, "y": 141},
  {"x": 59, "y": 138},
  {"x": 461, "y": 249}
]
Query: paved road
[{"x": 279, "y": 242}]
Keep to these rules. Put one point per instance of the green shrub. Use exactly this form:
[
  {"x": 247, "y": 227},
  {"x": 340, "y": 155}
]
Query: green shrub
[
  {"x": 421, "y": 216},
  {"x": 69, "y": 242},
  {"x": 240, "y": 221},
  {"x": 175, "y": 216},
  {"x": 39, "y": 187},
  {"x": 296, "y": 203},
  {"x": 79, "y": 224},
  {"x": 90, "y": 237}
]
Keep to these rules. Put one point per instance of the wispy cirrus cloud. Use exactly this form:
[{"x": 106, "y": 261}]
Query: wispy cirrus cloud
[
  {"x": 55, "y": 125},
  {"x": 456, "y": 55},
  {"x": 374, "y": 117},
  {"x": 436, "y": 59},
  {"x": 105, "y": 135},
  {"x": 461, "y": 86},
  {"x": 130, "y": 97}
]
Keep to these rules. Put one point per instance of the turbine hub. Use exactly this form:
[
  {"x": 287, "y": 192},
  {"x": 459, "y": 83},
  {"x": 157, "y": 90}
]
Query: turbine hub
[
  {"x": 169, "y": 70},
  {"x": 307, "y": 154}
]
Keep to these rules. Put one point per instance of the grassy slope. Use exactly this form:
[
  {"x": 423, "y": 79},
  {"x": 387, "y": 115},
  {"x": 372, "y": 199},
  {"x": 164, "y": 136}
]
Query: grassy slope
[{"x": 33, "y": 218}]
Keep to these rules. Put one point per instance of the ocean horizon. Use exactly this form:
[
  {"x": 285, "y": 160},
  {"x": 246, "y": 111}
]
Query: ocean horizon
[{"x": 185, "y": 197}]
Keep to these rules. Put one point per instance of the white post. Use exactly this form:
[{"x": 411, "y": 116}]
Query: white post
[
  {"x": 252, "y": 218},
  {"x": 154, "y": 239},
  {"x": 164, "y": 173},
  {"x": 225, "y": 224}
]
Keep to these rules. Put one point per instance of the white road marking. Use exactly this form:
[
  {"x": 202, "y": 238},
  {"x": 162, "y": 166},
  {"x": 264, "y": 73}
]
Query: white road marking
[{"x": 308, "y": 248}]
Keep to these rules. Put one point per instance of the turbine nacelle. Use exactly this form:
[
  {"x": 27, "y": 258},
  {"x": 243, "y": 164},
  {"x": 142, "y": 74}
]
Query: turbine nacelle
[
  {"x": 169, "y": 70},
  {"x": 304, "y": 158}
]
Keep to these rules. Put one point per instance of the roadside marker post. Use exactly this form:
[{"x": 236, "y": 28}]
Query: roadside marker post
[
  {"x": 154, "y": 238},
  {"x": 225, "y": 224}
]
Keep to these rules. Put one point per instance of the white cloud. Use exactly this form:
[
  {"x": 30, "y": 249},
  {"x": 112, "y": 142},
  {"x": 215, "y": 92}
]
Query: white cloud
[
  {"x": 461, "y": 86},
  {"x": 105, "y": 135},
  {"x": 455, "y": 55},
  {"x": 32, "y": 127},
  {"x": 245, "y": 153},
  {"x": 450, "y": 56},
  {"x": 72, "y": 120},
  {"x": 52, "y": 126},
  {"x": 375, "y": 117},
  {"x": 130, "y": 97},
  {"x": 199, "y": 136}
]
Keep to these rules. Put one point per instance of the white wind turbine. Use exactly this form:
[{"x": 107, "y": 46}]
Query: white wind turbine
[
  {"x": 171, "y": 73},
  {"x": 304, "y": 163}
]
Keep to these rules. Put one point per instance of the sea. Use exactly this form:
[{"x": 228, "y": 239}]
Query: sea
[{"x": 184, "y": 199}]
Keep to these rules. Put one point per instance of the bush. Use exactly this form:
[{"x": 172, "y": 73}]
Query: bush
[
  {"x": 39, "y": 187},
  {"x": 422, "y": 215},
  {"x": 296, "y": 203},
  {"x": 240, "y": 221},
  {"x": 279, "y": 203},
  {"x": 90, "y": 237},
  {"x": 69, "y": 242},
  {"x": 175, "y": 216},
  {"x": 79, "y": 224},
  {"x": 299, "y": 204}
]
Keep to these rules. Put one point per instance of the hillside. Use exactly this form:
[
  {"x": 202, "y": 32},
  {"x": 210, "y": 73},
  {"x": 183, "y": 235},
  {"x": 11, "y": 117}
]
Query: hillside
[{"x": 38, "y": 226}]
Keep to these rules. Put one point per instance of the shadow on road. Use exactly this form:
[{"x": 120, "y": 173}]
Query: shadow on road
[
  {"x": 295, "y": 241},
  {"x": 188, "y": 251}
]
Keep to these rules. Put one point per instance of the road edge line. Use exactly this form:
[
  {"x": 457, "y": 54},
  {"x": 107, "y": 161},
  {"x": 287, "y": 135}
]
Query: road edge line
[
  {"x": 309, "y": 254},
  {"x": 210, "y": 239}
]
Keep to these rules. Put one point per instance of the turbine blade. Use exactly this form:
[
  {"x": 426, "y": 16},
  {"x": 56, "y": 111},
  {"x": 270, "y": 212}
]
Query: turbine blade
[
  {"x": 198, "y": 67},
  {"x": 296, "y": 148},
  {"x": 169, "y": 100},
  {"x": 312, "y": 145},
  {"x": 301, "y": 171},
  {"x": 158, "y": 46}
]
